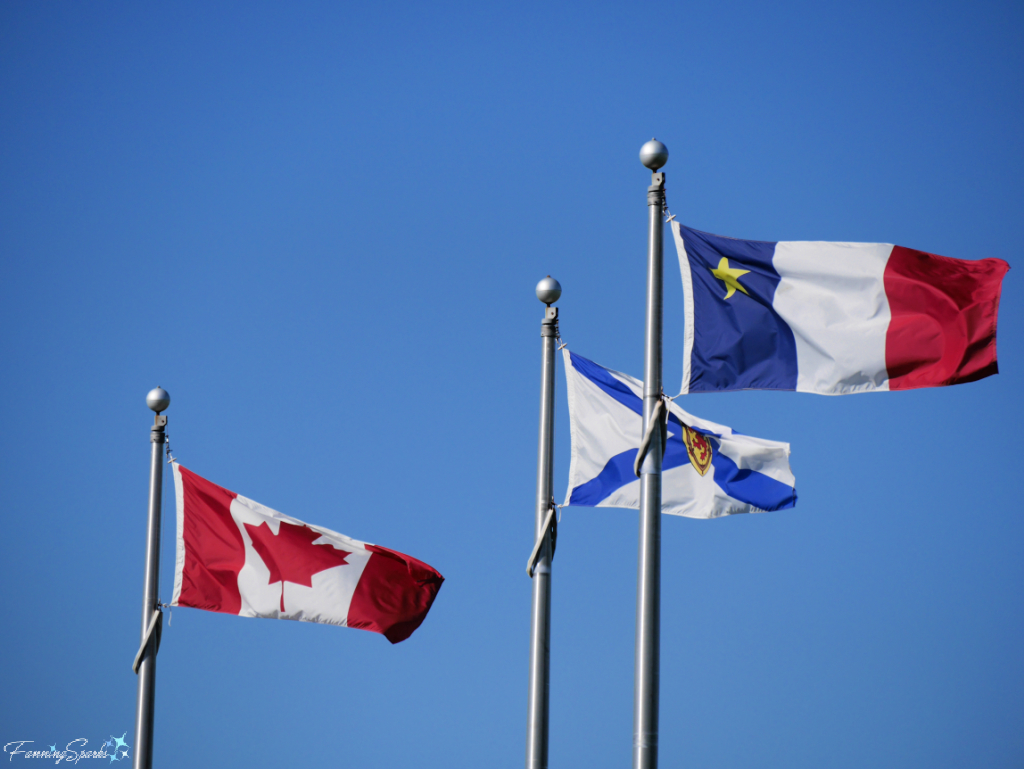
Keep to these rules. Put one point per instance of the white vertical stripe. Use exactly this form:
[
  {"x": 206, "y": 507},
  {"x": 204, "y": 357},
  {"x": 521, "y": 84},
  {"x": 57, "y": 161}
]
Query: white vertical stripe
[
  {"x": 832, "y": 295},
  {"x": 684, "y": 270},
  {"x": 179, "y": 549}
]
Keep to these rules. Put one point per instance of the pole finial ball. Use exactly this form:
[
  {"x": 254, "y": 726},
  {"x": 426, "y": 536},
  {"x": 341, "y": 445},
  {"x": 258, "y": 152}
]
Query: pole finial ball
[
  {"x": 158, "y": 399},
  {"x": 654, "y": 154},
  {"x": 548, "y": 290}
]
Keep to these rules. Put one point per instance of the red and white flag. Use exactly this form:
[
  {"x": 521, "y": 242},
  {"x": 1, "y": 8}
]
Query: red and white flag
[{"x": 238, "y": 557}]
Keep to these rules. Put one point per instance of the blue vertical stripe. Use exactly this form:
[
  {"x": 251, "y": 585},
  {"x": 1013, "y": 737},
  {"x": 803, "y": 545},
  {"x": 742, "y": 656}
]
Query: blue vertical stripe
[{"x": 740, "y": 342}]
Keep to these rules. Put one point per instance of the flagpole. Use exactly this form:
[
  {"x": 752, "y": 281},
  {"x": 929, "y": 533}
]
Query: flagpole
[
  {"x": 539, "y": 567},
  {"x": 158, "y": 400},
  {"x": 647, "y": 662}
]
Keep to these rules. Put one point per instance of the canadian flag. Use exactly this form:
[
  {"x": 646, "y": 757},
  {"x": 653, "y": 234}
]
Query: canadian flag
[{"x": 238, "y": 557}]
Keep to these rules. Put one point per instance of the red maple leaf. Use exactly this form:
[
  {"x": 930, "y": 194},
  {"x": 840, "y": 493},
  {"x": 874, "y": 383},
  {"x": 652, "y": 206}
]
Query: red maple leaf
[{"x": 291, "y": 555}]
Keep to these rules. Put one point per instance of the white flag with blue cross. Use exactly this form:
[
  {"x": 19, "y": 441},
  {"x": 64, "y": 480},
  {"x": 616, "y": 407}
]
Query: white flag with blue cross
[{"x": 708, "y": 470}]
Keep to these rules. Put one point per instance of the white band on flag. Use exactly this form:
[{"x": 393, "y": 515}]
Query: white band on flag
[{"x": 684, "y": 269}]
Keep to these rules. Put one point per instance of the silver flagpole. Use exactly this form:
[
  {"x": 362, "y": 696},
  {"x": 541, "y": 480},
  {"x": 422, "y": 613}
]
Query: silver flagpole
[
  {"x": 145, "y": 663},
  {"x": 647, "y": 662},
  {"x": 539, "y": 565}
]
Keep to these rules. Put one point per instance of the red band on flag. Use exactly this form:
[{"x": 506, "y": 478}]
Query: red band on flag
[
  {"x": 214, "y": 551},
  {"x": 394, "y": 594},
  {"x": 944, "y": 312}
]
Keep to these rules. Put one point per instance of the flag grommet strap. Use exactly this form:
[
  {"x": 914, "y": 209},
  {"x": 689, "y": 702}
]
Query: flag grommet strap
[
  {"x": 645, "y": 444},
  {"x": 549, "y": 523},
  {"x": 156, "y": 623}
]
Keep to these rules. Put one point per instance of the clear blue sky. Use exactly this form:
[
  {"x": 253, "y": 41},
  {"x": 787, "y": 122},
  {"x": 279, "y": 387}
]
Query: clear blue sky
[{"x": 319, "y": 227}]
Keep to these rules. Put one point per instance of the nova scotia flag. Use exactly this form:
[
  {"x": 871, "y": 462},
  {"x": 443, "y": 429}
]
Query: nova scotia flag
[{"x": 708, "y": 470}]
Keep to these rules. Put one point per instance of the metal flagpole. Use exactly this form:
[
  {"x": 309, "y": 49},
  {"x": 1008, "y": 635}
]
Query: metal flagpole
[
  {"x": 647, "y": 663},
  {"x": 539, "y": 565},
  {"x": 145, "y": 662}
]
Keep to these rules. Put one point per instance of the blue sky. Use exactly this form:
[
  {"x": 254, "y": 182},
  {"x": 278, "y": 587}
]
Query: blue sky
[{"x": 319, "y": 227}]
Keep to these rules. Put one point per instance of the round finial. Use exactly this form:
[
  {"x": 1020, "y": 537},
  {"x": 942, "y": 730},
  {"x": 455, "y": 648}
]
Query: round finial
[
  {"x": 548, "y": 290},
  {"x": 654, "y": 154},
  {"x": 158, "y": 399}
]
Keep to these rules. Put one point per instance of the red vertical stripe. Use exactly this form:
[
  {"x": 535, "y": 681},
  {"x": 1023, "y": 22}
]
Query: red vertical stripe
[
  {"x": 394, "y": 594},
  {"x": 214, "y": 550},
  {"x": 943, "y": 327}
]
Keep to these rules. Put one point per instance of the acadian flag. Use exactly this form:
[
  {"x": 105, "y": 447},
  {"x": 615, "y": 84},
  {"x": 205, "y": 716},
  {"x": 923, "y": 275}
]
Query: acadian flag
[
  {"x": 707, "y": 471},
  {"x": 238, "y": 557},
  {"x": 833, "y": 318}
]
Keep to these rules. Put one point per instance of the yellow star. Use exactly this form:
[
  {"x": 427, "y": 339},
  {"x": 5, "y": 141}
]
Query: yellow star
[{"x": 731, "y": 278}]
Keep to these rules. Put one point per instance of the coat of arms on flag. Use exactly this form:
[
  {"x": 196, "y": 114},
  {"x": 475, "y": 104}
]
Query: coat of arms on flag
[{"x": 698, "y": 449}]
